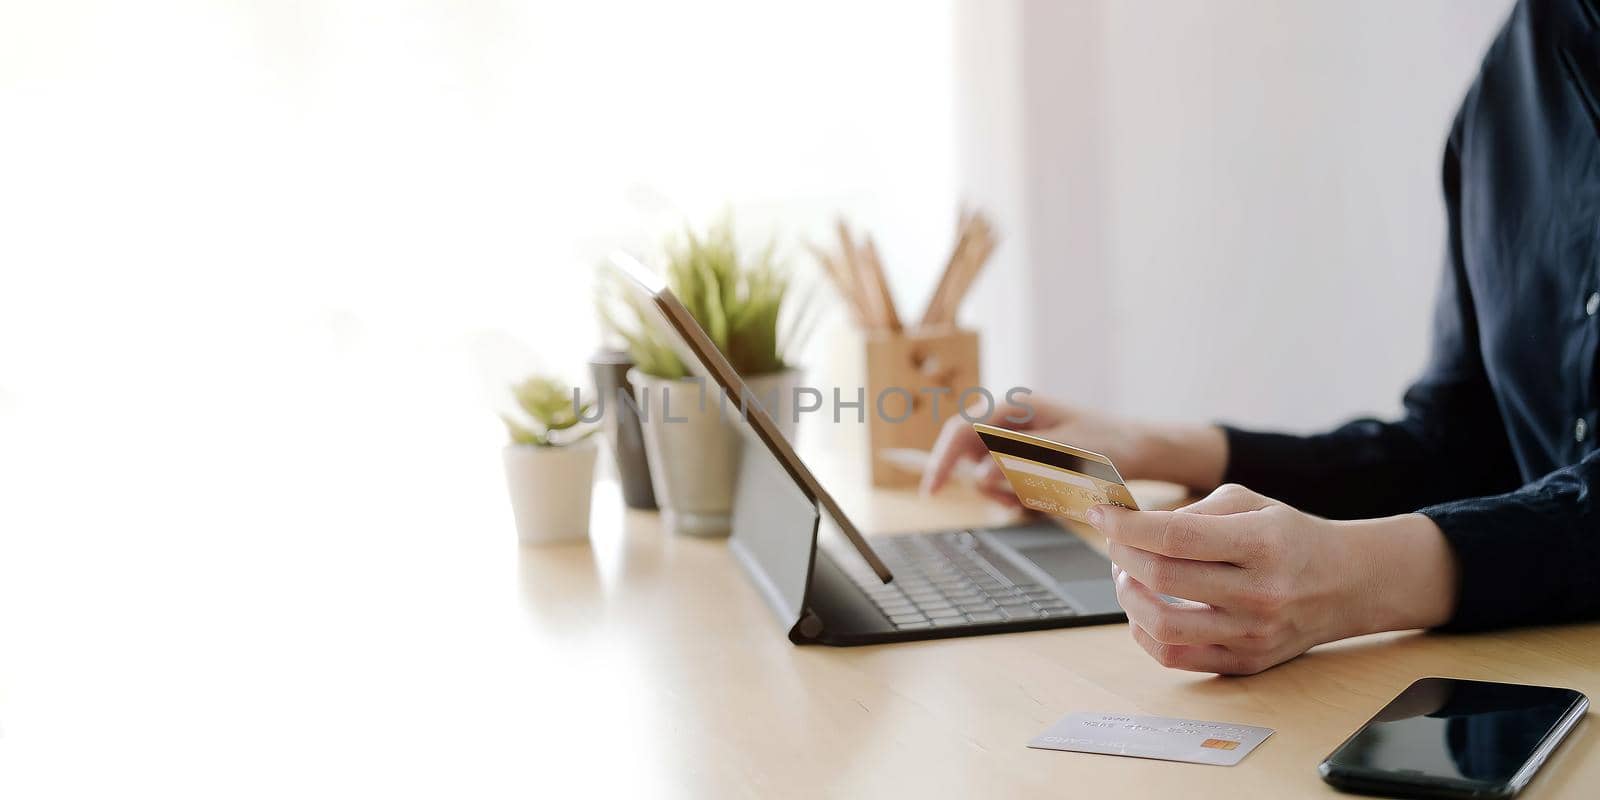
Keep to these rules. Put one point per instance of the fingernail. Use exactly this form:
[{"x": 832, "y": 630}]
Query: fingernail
[{"x": 1095, "y": 516}]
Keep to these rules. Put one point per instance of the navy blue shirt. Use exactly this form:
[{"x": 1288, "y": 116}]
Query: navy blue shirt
[{"x": 1498, "y": 441}]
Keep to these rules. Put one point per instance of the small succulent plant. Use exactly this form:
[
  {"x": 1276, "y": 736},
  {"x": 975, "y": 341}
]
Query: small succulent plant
[
  {"x": 553, "y": 411},
  {"x": 736, "y": 298}
]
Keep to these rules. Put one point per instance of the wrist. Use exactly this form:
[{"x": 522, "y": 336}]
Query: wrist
[
  {"x": 1193, "y": 456},
  {"x": 1403, "y": 574}
]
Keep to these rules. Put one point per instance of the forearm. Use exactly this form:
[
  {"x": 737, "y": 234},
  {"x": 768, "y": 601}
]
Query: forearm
[
  {"x": 1195, "y": 456},
  {"x": 1401, "y": 574}
]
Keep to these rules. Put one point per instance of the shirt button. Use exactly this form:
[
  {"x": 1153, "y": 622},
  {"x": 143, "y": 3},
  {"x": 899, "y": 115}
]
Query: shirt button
[
  {"x": 1593, "y": 305},
  {"x": 1580, "y": 430}
]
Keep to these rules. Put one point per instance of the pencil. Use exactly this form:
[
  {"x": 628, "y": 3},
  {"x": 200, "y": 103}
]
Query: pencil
[{"x": 879, "y": 286}]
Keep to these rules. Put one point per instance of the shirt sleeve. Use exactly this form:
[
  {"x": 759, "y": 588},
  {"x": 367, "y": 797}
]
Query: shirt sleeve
[
  {"x": 1527, "y": 556},
  {"x": 1450, "y": 443}
]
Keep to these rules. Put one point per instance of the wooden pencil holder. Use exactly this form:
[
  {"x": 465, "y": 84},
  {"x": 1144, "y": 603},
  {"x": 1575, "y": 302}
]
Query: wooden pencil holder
[{"x": 916, "y": 380}]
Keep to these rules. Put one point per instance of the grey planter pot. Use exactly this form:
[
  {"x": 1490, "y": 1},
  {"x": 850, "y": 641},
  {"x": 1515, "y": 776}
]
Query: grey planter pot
[
  {"x": 694, "y": 446},
  {"x": 610, "y": 371}
]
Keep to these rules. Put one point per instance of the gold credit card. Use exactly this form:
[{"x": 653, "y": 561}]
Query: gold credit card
[{"x": 1053, "y": 477}]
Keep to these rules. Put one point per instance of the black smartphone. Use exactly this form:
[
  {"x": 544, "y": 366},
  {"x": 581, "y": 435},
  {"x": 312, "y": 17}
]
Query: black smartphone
[{"x": 1444, "y": 737}]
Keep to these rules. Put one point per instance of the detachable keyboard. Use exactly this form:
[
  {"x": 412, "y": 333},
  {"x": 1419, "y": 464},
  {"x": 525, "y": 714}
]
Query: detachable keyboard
[{"x": 949, "y": 579}]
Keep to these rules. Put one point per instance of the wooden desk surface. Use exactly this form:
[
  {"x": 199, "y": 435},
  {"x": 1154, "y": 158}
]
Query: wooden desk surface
[
  {"x": 714, "y": 701},
  {"x": 399, "y": 644}
]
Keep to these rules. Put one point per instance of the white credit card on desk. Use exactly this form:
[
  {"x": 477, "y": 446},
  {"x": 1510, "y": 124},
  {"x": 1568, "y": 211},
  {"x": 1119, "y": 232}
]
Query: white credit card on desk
[{"x": 1165, "y": 738}]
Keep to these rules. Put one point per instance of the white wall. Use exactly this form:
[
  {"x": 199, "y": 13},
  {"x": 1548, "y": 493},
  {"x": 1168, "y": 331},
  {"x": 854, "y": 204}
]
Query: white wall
[
  {"x": 279, "y": 229},
  {"x": 244, "y": 247},
  {"x": 1231, "y": 208}
]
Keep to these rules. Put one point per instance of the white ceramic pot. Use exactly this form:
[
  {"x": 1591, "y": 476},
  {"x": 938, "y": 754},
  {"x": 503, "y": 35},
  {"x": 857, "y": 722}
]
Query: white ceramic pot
[
  {"x": 694, "y": 447},
  {"x": 550, "y": 490}
]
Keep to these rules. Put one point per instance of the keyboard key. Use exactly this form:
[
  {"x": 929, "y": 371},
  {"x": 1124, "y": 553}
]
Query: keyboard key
[
  {"x": 906, "y": 626},
  {"x": 953, "y": 578}
]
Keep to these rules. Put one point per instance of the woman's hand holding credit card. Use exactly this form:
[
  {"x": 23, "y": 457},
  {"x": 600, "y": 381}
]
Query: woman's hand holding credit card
[{"x": 1262, "y": 581}]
